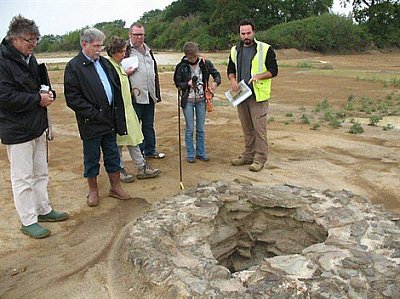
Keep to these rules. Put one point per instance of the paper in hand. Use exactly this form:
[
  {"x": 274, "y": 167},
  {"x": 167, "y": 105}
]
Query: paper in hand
[
  {"x": 130, "y": 62},
  {"x": 236, "y": 97}
]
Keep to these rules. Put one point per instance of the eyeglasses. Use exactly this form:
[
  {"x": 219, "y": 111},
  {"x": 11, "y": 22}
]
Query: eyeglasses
[
  {"x": 32, "y": 41},
  {"x": 137, "y": 34}
]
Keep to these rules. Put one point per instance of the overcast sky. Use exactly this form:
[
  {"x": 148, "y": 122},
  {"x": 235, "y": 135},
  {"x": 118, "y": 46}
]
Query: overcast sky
[{"x": 62, "y": 16}]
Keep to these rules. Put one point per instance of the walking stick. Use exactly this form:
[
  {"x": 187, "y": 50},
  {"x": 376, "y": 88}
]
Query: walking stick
[{"x": 179, "y": 139}]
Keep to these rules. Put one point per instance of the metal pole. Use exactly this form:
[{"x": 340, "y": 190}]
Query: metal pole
[{"x": 179, "y": 140}]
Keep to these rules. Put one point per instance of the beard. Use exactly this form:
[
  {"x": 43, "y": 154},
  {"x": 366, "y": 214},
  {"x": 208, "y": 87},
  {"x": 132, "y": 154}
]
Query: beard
[{"x": 248, "y": 41}]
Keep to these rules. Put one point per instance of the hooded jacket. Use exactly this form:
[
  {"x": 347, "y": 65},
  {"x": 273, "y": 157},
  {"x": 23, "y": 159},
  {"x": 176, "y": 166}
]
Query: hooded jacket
[{"x": 21, "y": 117}]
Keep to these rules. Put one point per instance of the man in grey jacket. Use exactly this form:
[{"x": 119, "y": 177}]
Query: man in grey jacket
[{"x": 146, "y": 88}]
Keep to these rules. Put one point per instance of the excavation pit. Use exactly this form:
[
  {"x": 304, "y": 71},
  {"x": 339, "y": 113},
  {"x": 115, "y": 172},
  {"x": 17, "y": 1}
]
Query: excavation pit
[{"x": 235, "y": 240}]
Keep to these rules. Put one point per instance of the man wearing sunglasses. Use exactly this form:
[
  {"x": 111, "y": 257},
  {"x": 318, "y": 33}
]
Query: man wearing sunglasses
[{"x": 23, "y": 122}]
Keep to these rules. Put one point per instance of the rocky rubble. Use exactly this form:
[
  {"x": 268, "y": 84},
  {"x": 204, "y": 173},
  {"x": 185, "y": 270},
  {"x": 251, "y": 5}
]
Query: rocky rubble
[{"x": 235, "y": 240}]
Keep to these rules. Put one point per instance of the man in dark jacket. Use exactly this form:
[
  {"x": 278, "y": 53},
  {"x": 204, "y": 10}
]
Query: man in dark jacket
[
  {"x": 23, "y": 122},
  {"x": 92, "y": 89}
]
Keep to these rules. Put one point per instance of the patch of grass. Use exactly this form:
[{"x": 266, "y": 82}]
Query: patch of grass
[
  {"x": 316, "y": 126},
  {"x": 388, "y": 127},
  {"x": 388, "y": 105},
  {"x": 374, "y": 120},
  {"x": 326, "y": 66},
  {"x": 335, "y": 123},
  {"x": 290, "y": 114},
  {"x": 322, "y": 106},
  {"x": 304, "y": 119},
  {"x": 356, "y": 128},
  {"x": 304, "y": 65},
  {"x": 270, "y": 120},
  {"x": 385, "y": 81}
]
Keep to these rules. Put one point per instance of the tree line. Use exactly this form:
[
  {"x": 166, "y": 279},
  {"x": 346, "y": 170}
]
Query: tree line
[{"x": 301, "y": 24}]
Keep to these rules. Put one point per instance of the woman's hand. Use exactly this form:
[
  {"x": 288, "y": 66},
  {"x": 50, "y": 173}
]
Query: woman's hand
[
  {"x": 213, "y": 86},
  {"x": 129, "y": 71}
]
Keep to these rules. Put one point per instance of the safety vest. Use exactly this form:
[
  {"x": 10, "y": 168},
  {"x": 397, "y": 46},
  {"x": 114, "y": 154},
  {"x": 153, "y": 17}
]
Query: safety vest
[{"x": 262, "y": 88}]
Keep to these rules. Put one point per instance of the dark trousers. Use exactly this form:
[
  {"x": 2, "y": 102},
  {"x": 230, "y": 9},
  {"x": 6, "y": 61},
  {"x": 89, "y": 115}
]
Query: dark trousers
[
  {"x": 145, "y": 114},
  {"x": 91, "y": 155}
]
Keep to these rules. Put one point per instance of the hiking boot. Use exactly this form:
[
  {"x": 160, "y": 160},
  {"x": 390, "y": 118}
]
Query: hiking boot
[
  {"x": 125, "y": 177},
  {"x": 147, "y": 172},
  {"x": 35, "y": 231},
  {"x": 256, "y": 166},
  {"x": 241, "y": 161},
  {"x": 53, "y": 216}
]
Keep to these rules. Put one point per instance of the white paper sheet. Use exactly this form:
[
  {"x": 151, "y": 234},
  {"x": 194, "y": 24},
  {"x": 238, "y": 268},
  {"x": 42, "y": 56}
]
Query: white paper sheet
[
  {"x": 130, "y": 62},
  {"x": 237, "y": 97}
]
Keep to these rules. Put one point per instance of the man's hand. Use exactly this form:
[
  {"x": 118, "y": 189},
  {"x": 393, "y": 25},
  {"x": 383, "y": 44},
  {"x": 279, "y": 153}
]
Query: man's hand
[
  {"x": 46, "y": 99},
  {"x": 235, "y": 85}
]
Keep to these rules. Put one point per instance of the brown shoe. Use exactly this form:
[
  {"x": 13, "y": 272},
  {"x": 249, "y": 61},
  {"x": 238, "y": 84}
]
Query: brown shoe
[
  {"x": 121, "y": 195},
  {"x": 256, "y": 166},
  {"x": 241, "y": 161},
  {"x": 116, "y": 190},
  {"x": 93, "y": 196},
  {"x": 93, "y": 199}
]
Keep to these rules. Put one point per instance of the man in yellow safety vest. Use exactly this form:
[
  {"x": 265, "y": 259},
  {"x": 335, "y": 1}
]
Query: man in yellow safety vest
[{"x": 254, "y": 62}]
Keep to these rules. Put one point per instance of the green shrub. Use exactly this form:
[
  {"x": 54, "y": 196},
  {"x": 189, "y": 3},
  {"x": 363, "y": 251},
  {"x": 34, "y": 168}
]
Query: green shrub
[
  {"x": 335, "y": 123},
  {"x": 304, "y": 65},
  {"x": 304, "y": 119},
  {"x": 322, "y": 106},
  {"x": 374, "y": 120},
  {"x": 356, "y": 128},
  {"x": 325, "y": 33},
  {"x": 388, "y": 127}
]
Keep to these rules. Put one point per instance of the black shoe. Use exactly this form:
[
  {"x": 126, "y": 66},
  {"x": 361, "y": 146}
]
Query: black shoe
[
  {"x": 205, "y": 159},
  {"x": 155, "y": 155}
]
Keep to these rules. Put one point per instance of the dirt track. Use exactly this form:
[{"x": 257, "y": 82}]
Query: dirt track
[{"x": 80, "y": 259}]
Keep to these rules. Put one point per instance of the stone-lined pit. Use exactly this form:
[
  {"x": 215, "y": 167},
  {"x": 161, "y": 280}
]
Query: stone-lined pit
[
  {"x": 234, "y": 240},
  {"x": 239, "y": 244}
]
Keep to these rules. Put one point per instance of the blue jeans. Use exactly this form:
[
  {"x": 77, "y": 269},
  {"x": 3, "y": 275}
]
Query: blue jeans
[
  {"x": 145, "y": 114},
  {"x": 188, "y": 112},
  {"x": 91, "y": 155}
]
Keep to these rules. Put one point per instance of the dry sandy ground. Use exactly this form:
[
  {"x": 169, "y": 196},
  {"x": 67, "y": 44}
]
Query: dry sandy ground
[{"x": 81, "y": 258}]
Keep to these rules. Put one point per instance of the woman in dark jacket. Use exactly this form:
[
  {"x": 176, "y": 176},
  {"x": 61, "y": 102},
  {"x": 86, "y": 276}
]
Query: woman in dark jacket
[{"x": 191, "y": 77}]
